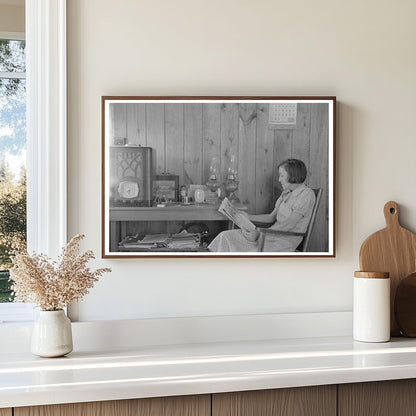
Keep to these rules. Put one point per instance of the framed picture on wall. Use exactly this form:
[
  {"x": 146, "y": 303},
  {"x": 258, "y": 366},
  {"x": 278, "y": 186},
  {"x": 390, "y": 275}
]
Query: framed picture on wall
[{"x": 218, "y": 176}]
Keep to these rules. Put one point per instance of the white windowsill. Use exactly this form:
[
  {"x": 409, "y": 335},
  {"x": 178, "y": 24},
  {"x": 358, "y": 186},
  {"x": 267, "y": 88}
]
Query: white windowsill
[{"x": 16, "y": 313}]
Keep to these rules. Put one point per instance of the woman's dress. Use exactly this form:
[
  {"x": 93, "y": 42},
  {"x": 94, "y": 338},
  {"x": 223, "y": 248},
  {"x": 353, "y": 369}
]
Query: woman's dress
[{"x": 300, "y": 200}]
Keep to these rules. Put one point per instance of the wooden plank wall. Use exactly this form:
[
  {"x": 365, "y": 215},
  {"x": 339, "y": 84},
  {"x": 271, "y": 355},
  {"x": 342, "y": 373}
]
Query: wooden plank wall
[{"x": 185, "y": 137}]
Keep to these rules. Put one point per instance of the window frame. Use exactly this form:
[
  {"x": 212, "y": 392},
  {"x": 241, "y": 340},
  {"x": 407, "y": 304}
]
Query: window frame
[
  {"x": 46, "y": 125},
  {"x": 13, "y": 36},
  {"x": 46, "y": 118}
]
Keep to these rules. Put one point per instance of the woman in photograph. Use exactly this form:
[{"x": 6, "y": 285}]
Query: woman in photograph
[{"x": 292, "y": 212}]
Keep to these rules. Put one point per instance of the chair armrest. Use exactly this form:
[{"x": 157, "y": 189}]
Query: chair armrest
[
  {"x": 262, "y": 224},
  {"x": 277, "y": 232},
  {"x": 264, "y": 231}
]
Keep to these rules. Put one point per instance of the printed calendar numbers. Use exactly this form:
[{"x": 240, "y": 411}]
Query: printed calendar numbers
[{"x": 283, "y": 113}]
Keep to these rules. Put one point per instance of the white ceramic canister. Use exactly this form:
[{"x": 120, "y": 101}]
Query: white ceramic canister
[{"x": 371, "y": 308}]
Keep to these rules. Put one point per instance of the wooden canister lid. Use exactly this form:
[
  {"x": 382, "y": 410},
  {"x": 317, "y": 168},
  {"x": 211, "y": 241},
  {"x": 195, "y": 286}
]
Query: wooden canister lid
[{"x": 372, "y": 275}]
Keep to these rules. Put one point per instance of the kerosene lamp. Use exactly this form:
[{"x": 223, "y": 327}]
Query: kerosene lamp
[
  {"x": 231, "y": 183},
  {"x": 214, "y": 182}
]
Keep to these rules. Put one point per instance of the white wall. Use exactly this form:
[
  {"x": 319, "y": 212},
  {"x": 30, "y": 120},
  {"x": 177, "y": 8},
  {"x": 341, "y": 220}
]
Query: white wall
[{"x": 361, "y": 51}]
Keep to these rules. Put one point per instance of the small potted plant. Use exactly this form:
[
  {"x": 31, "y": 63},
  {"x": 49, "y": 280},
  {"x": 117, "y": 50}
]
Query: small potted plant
[{"x": 52, "y": 286}]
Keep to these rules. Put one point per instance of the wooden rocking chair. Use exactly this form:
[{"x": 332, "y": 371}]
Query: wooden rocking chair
[{"x": 303, "y": 246}]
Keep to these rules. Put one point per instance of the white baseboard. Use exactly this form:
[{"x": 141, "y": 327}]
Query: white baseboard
[{"x": 110, "y": 335}]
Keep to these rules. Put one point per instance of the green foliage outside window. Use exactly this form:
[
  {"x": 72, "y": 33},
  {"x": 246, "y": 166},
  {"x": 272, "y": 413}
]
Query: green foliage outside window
[
  {"x": 12, "y": 224},
  {"x": 5, "y": 292}
]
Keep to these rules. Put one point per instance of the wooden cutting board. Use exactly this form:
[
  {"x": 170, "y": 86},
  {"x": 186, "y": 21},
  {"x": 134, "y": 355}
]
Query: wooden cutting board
[
  {"x": 392, "y": 250},
  {"x": 405, "y": 306}
]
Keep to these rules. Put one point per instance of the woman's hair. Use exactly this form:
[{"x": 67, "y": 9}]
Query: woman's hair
[{"x": 296, "y": 170}]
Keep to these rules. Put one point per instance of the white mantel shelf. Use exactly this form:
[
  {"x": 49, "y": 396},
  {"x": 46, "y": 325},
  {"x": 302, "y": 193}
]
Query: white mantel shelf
[{"x": 151, "y": 371}]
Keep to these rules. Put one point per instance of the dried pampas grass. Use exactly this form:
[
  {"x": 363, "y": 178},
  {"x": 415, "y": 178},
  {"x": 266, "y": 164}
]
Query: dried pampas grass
[{"x": 53, "y": 285}]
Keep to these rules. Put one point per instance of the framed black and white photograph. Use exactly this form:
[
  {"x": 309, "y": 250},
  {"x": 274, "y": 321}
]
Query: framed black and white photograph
[{"x": 218, "y": 176}]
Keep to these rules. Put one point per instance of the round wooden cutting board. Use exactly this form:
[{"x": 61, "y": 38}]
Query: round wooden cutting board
[{"x": 392, "y": 250}]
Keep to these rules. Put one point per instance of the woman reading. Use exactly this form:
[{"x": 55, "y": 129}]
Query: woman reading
[{"x": 292, "y": 212}]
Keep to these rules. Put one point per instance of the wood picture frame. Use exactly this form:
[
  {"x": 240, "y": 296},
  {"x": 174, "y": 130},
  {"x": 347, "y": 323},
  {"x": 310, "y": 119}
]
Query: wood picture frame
[
  {"x": 165, "y": 187},
  {"x": 231, "y": 148}
]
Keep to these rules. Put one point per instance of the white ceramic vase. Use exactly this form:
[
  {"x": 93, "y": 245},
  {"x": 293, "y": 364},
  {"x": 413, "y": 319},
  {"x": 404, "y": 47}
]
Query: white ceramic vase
[{"x": 52, "y": 334}]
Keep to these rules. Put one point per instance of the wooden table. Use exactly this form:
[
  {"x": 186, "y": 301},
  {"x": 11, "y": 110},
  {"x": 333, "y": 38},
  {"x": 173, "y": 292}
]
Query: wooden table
[{"x": 195, "y": 212}]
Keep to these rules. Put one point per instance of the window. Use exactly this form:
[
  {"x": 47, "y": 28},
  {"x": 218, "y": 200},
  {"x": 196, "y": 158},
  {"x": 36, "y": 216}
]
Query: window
[
  {"x": 12, "y": 154},
  {"x": 46, "y": 135}
]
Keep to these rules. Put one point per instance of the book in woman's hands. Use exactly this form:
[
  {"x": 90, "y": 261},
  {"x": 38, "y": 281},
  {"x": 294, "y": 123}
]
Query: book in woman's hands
[{"x": 237, "y": 217}]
